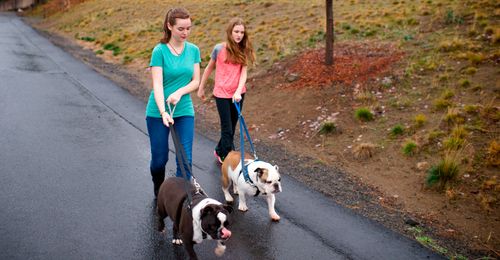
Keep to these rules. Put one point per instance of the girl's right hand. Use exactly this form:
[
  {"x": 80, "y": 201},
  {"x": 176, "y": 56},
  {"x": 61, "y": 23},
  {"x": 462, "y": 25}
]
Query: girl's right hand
[
  {"x": 167, "y": 119},
  {"x": 201, "y": 94}
]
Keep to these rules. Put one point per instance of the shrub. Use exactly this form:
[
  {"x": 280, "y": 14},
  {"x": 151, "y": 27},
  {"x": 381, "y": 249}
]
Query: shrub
[
  {"x": 363, "y": 114},
  {"x": 127, "y": 59},
  {"x": 453, "y": 116},
  {"x": 87, "y": 39},
  {"x": 447, "y": 94},
  {"x": 440, "y": 103},
  {"x": 112, "y": 47},
  {"x": 452, "y": 18},
  {"x": 409, "y": 148},
  {"x": 364, "y": 150},
  {"x": 493, "y": 154},
  {"x": 99, "y": 52},
  {"x": 445, "y": 172},
  {"x": 420, "y": 120},
  {"x": 327, "y": 128},
  {"x": 471, "y": 109},
  {"x": 464, "y": 83},
  {"x": 470, "y": 70},
  {"x": 459, "y": 132},
  {"x": 365, "y": 96},
  {"x": 475, "y": 58},
  {"x": 397, "y": 130},
  {"x": 453, "y": 143},
  {"x": 444, "y": 77},
  {"x": 435, "y": 135},
  {"x": 451, "y": 45},
  {"x": 490, "y": 112}
]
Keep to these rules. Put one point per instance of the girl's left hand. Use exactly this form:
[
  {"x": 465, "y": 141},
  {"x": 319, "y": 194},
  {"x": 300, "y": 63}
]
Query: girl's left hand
[
  {"x": 236, "y": 97},
  {"x": 174, "y": 98}
]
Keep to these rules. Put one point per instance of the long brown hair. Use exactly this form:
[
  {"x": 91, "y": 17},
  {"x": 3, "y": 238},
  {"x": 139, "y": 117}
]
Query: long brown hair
[
  {"x": 172, "y": 14},
  {"x": 242, "y": 52}
]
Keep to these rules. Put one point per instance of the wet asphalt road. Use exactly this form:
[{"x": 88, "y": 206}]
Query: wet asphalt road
[{"x": 74, "y": 180}]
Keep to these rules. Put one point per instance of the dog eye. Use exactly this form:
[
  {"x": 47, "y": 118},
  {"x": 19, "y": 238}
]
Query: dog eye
[
  {"x": 279, "y": 179},
  {"x": 269, "y": 182}
]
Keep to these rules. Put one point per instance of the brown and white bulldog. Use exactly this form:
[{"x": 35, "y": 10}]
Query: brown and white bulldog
[
  {"x": 265, "y": 177},
  {"x": 207, "y": 219}
]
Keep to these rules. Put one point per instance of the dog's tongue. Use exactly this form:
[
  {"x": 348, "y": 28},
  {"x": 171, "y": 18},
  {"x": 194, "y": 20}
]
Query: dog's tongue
[{"x": 225, "y": 233}]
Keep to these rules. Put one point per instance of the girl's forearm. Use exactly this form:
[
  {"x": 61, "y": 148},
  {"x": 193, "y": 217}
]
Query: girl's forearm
[
  {"x": 243, "y": 79},
  {"x": 157, "y": 74},
  {"x": 206, "y": 73}
]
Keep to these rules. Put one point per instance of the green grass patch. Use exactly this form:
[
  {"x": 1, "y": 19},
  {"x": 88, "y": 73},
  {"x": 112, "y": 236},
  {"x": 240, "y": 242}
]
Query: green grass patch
[
  {"x": 112, "y": 47},
  {"x": 445, "y": 172},
  {"x": 464, "y": 83},
  {"x": 409, "y": 148},
  {"x": 327, "y": 128},
  {"x": 363, "y": 114},
  {"x": 429, "y": 242},
  {"x": 453, "y": 143},
  {"x": 87, "y": 39},
  {"x": 397, "y": 130}
]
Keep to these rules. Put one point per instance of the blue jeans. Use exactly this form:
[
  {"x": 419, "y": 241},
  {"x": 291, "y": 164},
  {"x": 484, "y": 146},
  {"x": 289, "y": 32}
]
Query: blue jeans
[{"x": 158, "y": 138}]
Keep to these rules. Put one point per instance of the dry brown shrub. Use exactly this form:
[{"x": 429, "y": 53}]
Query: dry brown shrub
[
  {"x": 364, "y": 150},
  {"x": 493, "y": 154}
]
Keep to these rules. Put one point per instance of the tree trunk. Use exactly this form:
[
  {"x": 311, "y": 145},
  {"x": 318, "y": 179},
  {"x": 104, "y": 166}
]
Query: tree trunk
[{"x": 329, "y": 33}]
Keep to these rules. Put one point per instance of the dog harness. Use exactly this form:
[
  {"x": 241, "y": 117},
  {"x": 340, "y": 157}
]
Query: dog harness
[{"x": 249, "y": 180}]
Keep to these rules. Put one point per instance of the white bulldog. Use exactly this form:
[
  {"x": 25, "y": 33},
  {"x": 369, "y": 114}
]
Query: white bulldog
[{"x": 265, "y": 177}]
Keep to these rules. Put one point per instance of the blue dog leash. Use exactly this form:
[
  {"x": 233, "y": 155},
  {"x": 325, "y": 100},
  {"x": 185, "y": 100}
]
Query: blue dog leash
[{"x": 243, "y": 127}]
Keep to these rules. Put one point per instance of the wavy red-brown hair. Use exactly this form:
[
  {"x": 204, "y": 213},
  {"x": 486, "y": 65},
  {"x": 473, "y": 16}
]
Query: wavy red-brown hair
[{"x": 242, "y": 52}]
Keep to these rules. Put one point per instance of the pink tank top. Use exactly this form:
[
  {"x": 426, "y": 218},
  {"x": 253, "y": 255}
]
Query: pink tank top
[{"x": 227, "y": 76}]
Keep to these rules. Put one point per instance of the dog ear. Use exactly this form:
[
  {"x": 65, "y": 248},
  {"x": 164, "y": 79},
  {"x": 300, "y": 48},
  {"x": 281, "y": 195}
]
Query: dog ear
[
  {"x": 276, "y": 167},
  {"x": 259, "y": 172},
  {"x": 228, "y": 208},
  {"x": 205, "y": 211}
]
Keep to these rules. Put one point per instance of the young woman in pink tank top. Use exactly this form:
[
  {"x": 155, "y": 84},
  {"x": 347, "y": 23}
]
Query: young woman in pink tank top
[{"x": 230, "y": 60}]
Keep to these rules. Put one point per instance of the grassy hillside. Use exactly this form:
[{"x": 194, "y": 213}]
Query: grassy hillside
[
  {"x": 410, "y": 107},
  {"x": 278, "y": 28}
]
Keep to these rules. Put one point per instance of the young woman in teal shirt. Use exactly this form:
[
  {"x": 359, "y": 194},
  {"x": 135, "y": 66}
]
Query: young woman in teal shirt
[{"x": 175, "y": 66}]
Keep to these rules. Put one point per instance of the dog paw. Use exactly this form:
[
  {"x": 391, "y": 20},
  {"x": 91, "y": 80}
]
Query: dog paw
[
  {"x": 176, "y": 241},
  {"x": 229, "y": 199},
  {"x": 275, "y": 217},
  {"x": 243, "y": 208},
  {"x": 219, "y": 250}
]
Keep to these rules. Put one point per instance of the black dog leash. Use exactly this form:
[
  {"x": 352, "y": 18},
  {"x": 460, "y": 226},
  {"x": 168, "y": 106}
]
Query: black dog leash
[{"x": 181, "y": 157}]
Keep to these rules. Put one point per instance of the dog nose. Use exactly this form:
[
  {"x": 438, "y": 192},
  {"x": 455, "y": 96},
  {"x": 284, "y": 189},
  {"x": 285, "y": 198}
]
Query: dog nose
[{"x": 276, "y": 187}]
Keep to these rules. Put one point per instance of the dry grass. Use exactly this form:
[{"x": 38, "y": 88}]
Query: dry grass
[{"x": 364, "y": 150}]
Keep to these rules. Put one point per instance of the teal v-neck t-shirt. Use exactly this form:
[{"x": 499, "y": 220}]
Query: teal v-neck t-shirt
[{"x": 177, "y": 73}]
